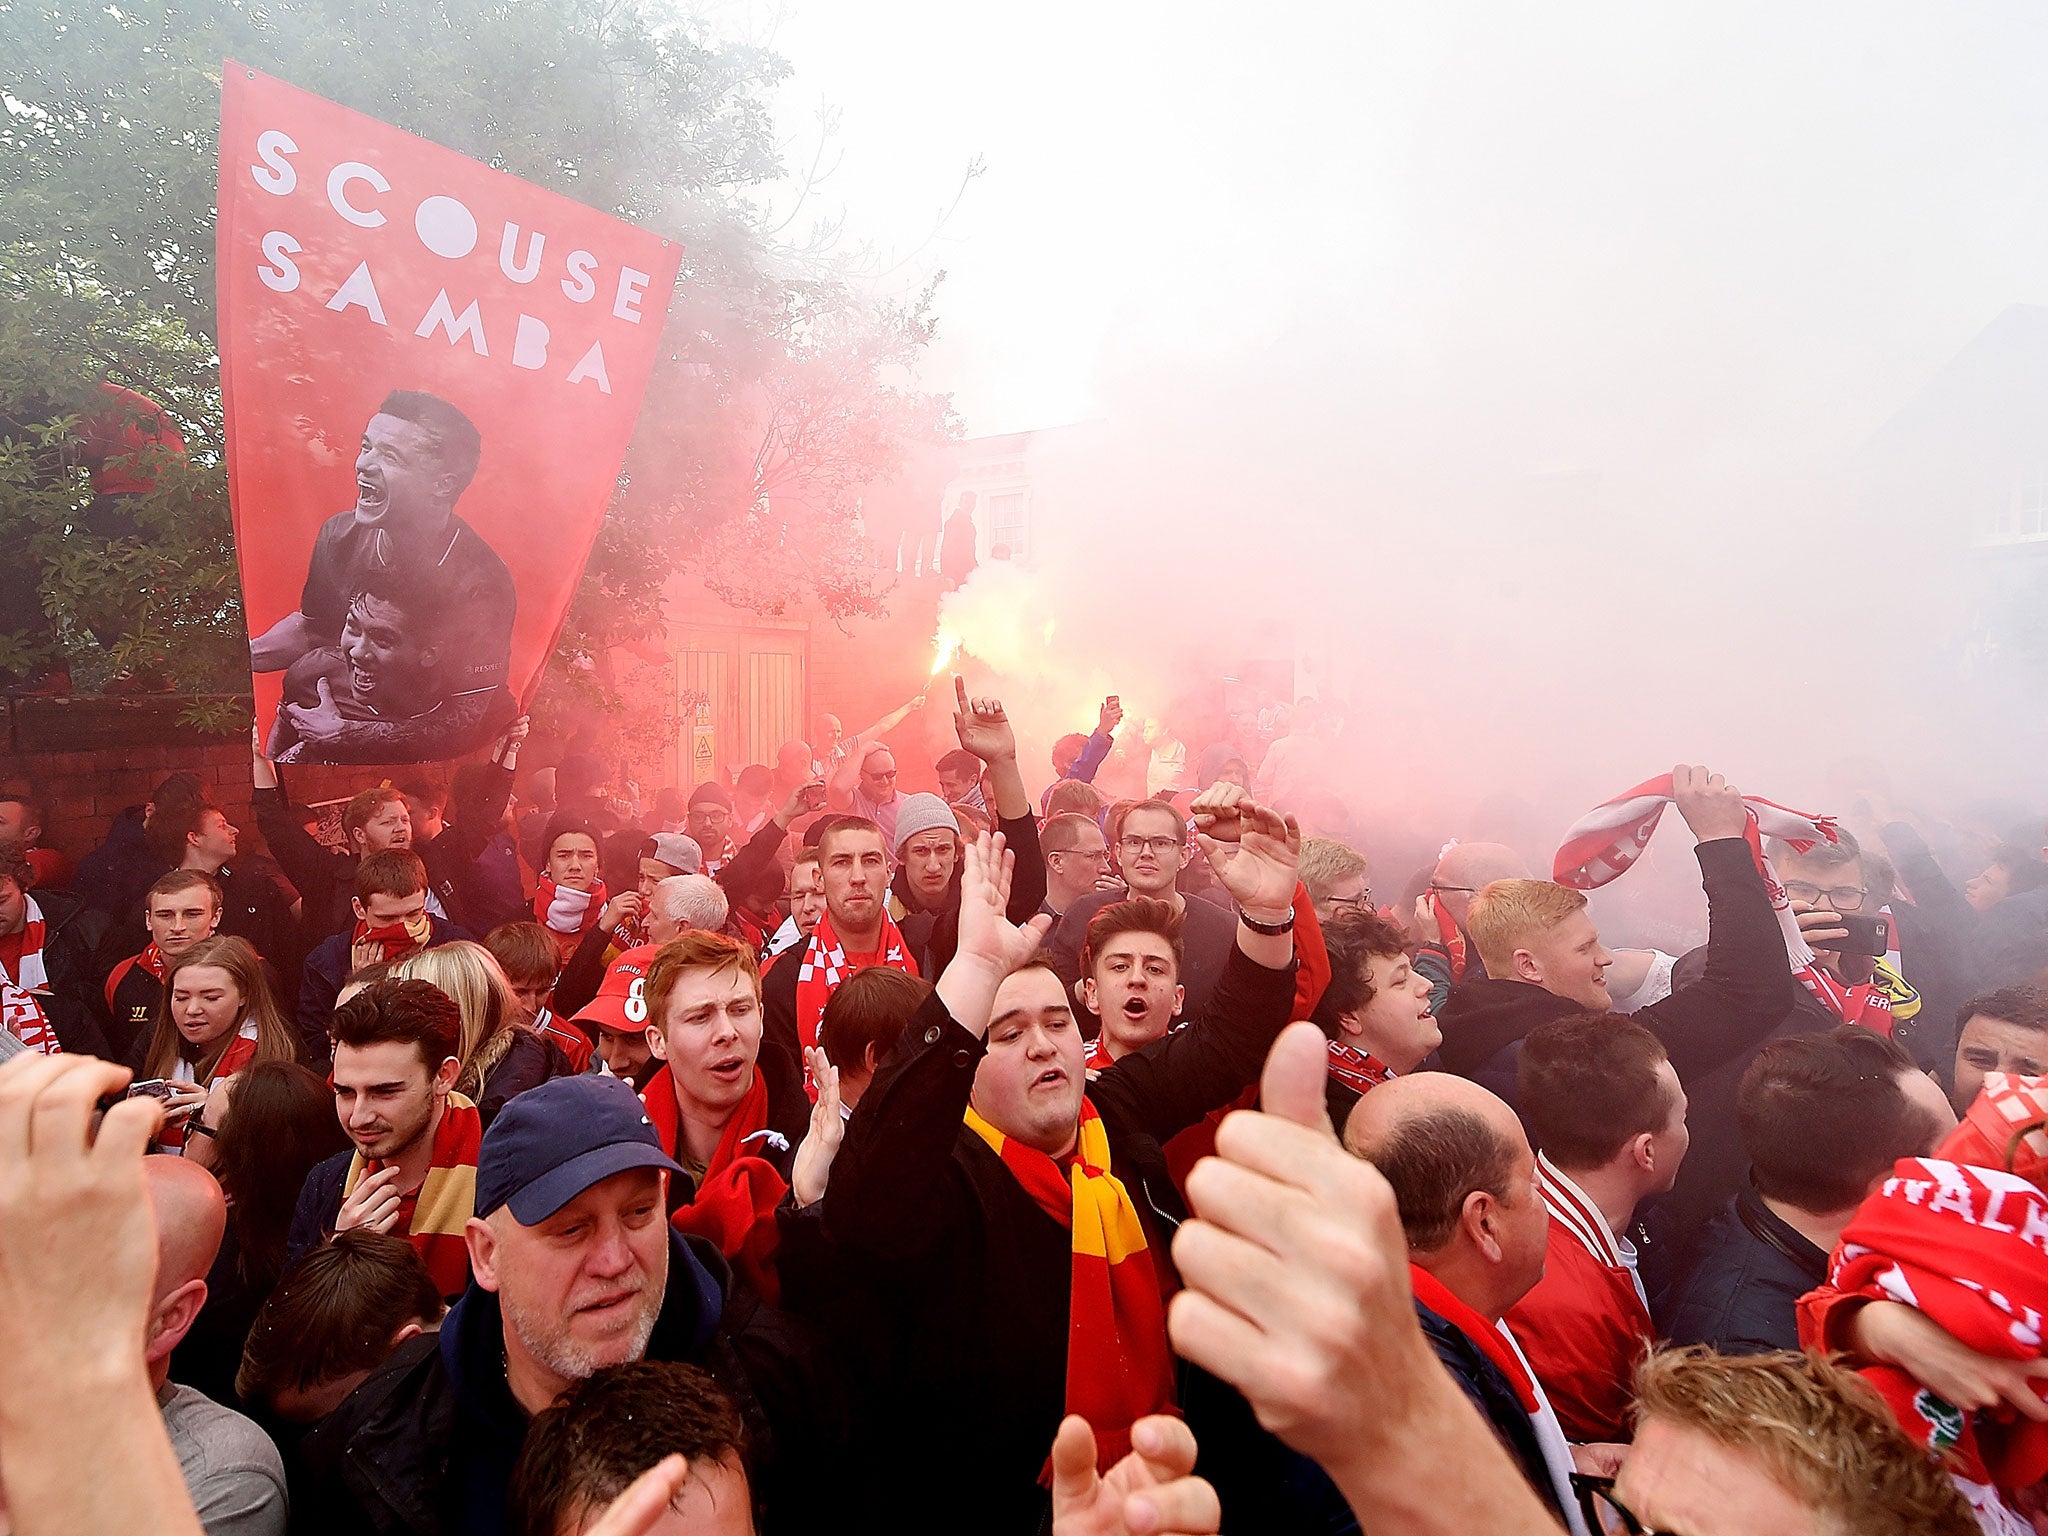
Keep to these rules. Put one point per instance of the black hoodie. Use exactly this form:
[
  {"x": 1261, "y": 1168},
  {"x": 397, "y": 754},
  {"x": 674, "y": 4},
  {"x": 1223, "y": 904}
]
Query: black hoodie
[{"x": 1745, "y": 993}]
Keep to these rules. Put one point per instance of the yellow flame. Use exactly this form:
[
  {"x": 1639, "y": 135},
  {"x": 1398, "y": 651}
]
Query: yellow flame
[{"x": 948, "y": 646}]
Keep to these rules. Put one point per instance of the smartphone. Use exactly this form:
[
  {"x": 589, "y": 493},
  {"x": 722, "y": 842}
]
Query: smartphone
[
  {"x": 814, "y": 797},
  {"x": 1870, "y": 936},
  {"x": 153, "y": 1088}
]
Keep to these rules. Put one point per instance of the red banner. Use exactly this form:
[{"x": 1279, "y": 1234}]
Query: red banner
[{"x": 430, "y": 371}]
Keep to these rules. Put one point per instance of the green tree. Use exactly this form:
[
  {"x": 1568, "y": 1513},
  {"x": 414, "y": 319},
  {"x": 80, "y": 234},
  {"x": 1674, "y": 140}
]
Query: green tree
[{"x": 778, "y": 395}]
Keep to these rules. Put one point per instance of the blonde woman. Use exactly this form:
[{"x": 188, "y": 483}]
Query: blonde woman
[
  {"x": 216, "y": 1016},
  {"x": 500, "y": 1056}
]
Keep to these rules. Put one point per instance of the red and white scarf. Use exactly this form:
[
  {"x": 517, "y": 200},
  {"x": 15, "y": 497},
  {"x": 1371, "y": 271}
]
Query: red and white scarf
[
  {"x": 21, "y": 1008},
  {"x": 565, "y": 909},
  {"x": 1360, "y": 1071},
  {"x": 1968, "y": 1247},
  {"x": 825, "y": 965},
  {"x": 1605, "y": 841}
]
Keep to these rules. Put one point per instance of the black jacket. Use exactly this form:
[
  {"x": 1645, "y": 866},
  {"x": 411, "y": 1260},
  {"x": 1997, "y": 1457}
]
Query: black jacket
[
  {"x": 1494, "y": 1396},
  {"x": 1749, "y": 1271},
  {"x": 1208, "y": 940},
  {"x": 1746, "y": 992},
  {"x": 967, "y": 1281},
  {"x": 324, "y": 878},
  {"x": 319, "y": 1203},
  {"x": 75, "y": 1002},
  {"x": 473, "y": 865},
  {"x": 327, "y": 970},
  {"x": 115, "y": 877},
  {"x": 529, "y": 1061},
  {"x": 428, "y": 1442}
]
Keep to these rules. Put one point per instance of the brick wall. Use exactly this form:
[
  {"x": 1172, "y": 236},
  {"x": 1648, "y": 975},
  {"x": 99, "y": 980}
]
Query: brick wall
[{"x": 89, "y": 759}]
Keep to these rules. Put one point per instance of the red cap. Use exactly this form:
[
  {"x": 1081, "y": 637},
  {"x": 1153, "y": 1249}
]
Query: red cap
[{"x": 621, "y": 1003}]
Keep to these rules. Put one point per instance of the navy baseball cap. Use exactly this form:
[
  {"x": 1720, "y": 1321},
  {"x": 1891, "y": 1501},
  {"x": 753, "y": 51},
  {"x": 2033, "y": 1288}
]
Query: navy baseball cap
[{"x": 551, "y": 1143}]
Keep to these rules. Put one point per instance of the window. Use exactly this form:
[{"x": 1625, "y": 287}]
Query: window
[{"x": 1009, "y": 524}]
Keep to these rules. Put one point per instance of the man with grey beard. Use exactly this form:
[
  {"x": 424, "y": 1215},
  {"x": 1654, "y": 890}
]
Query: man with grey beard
[{"x": 575, "y": 1268}]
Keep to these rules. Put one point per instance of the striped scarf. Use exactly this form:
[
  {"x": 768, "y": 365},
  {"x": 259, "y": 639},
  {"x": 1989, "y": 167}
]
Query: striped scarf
[
  {"x": 436, "y": 1213},
  {"x": 21, "y": 1011},
  {"x": 1609, "y": 838},
  {"x": 824, "y": 966},
  {"x": 1119, "y": 1367},
  {"x": 734, "y": 1203},
  {"x": 566, "y": 910}
]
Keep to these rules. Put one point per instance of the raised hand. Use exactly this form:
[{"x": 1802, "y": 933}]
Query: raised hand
[
  {"x": 1255, "y": 852},
  {"x": 1152, "y": 1491},
  {"x": 986, "y": 932},
  {"x": 990, "y": 945},
  {"x": 982, "y": 726},
  {"x": 1110, "y": 716},
  {"x": 1711, "y": 806},
  {"x": 812, "y": 1167},
  {"x": 626, "y": 907}
]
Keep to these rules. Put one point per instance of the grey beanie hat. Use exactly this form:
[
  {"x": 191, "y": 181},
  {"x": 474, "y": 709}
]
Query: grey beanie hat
[{"x": 923, "y": 813}]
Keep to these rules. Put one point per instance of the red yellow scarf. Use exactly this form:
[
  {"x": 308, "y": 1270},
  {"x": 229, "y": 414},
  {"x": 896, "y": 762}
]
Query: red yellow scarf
[
  {"x": 434, "y": 1216},
  {"x": 1119, "y": 1367},
  {"x": 825, "y": 965},
  {"x": 21, "y": 1010},
  {"x": 394, "y": 941},
  {"x": 734, "y": 1205}
]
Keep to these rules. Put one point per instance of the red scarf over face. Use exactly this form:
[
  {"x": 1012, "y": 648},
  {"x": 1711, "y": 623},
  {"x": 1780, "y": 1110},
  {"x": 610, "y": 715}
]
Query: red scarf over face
[
  {"x": 434, "y": 1215},
  {"x": 1119, "y": 1366},
  {"x": 734, "y": 1206},
  {"x": 394, "y": 941},
  {"x": 825, "y": 965}
]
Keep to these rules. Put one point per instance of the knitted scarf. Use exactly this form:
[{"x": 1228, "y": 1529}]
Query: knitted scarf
[
  {"x": 825, "y": 965},
  {"x": 1969, "y": 1248},
  {"x": 1609, "y": 838},
  {"x": 734, "y": 1205},
  {"x": 394, "y": 941},
  {"x": 435, "y": 1215},
  {"x": 1119, "y": 1367},
  {"x": 21, "y": 1009},
  {"x": 241, "y": 1050},
  {"x": 1448, "y": 934},
  {"x": 1486, "y": 1338},
  {"x": 2006, "y": 1128},
  {"x": 566, "y": 910},
  {"x": 1360, "y": 1071}
]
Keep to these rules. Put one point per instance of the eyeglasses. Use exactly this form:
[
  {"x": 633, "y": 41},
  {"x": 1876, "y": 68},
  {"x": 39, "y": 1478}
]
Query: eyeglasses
[
  {"x": 1605, "y": 1514},
  {"x": 1086, "y": 856},
  {"x": 880, "y": 778},
  {"x": 1840, "y": 898},
  {"x": 1362, "y": 902},
  {"x": 1454, "y": 890},
  {"x": 1156, "y": 846}
]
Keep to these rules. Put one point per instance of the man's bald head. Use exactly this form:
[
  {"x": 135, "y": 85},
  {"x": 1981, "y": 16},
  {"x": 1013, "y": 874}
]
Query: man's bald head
[
  {"x": 1465, "y": 1182},
  {"x": 1468, "y": 868},
  {"x": 191, "y": 1218}
]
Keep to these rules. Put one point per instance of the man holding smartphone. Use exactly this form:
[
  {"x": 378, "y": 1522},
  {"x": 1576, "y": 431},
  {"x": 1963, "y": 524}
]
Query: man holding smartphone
[{"x": 1849, "y": 982}]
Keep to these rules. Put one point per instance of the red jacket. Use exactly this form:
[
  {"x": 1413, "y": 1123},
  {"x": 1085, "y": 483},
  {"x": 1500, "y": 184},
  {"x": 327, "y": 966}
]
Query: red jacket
[{"x": 1584, "y": 1327}]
